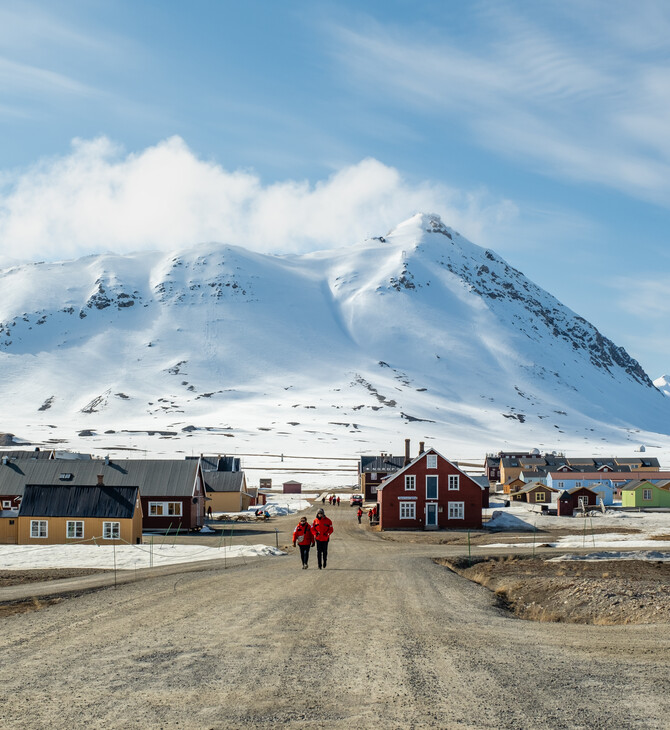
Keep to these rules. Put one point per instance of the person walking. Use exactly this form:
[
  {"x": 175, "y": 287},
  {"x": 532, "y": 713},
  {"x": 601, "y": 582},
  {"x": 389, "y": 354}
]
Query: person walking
[
  {"x": 323, "y": 499},
  {"x": 305, "y": 539},
  {"x": 338, "y": 501},
  {"x": 359, "y": 514},
  {"x": 370, "y": 515},
  {"x": 330, "y": 499},
  {"x": 322, "y": 529}
]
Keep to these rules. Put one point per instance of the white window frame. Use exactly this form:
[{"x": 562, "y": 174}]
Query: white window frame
[
  {"x": 111, "y": 530},
  {"x": 456, "y": 511},
  {"x": 578, "y": 484},
  {"x": 6, "y": 504},
  {"x": 407, "y": 510},
  {"x": 431, "y": 461},
  {"x": 75, "y": 523},
  {"x": 410, "y": 483},
  {"x": 36, "y": 527},
  {"x": 437, "y": 486},
  {"x": 162, "y": 509},
  {"x": 560, "y": 485},
  {"x": 454, "y": 482},
  {"x": 646, "y": 492},
  {"x": 540, "y": 496},
  {"x": 583, "y": 502}
]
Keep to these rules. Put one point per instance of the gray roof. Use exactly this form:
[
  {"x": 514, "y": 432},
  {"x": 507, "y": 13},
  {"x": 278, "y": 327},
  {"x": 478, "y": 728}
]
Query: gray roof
[
  {"x": 534, "y": 485},
  {"x": 384, "y": 464},
  {"x": 72, "y": 501},
  {"x": 224, "y": 481},
  {"x": 154, "y": 477}
]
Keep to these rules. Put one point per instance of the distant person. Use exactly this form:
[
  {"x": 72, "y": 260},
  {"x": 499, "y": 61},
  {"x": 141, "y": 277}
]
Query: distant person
[
  {"x": 374, "y": 513},
  {"x": 322, "y": 529},
  {"x": 338, "y": 501},
  {"x": 370, "y": 515},
  {"x": 304, "y": 537},
  {"x": 323, "y": 499},
  {"x": 209, "y": 511},
  {"x": 359, "y": 514},
  {"x": 330, "y": 499}
]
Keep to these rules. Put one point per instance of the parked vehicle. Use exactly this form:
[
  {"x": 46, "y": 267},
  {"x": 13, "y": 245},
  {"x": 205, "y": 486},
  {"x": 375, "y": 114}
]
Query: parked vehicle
[{"x": 356, "y": 500}]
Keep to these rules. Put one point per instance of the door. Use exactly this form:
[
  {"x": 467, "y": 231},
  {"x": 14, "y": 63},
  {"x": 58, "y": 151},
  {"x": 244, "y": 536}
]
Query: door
[{"x": 431, "y": 515}]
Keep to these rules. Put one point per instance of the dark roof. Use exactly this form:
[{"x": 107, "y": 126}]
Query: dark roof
[
  {"x": 384, "y": 463},
  {"x": 224, "y": 481},
  {"x": 26, "y": 454},
  {"x": 73, "y": 501},
  {"x": 218, "y": 463},
  {"x": 154, "y": 477}
]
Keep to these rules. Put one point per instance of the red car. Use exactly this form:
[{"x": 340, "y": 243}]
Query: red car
[{"x": 356, "y": 500}]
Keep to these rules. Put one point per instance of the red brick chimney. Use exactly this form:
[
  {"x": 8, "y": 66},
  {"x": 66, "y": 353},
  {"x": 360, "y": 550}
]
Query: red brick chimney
[
  {"x": 407, "y": 456},
  {"x": 421, "y": 447},
  {"x": 101, "y": 482}
]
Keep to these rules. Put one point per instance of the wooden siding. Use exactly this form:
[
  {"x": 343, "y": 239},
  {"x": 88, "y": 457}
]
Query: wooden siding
[{"x": 130, "y": 531}]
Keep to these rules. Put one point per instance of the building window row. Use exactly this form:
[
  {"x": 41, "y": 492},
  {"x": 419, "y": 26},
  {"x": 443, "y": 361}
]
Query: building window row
[
  {"x": 74, "y": 530},
  {"x": 165, "y": 509}
]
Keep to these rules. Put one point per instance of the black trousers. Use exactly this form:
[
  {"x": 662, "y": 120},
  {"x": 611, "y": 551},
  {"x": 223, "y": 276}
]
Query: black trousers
[
  {"x": 322, "y": 552},
  {"x": 304, "y": 553}
]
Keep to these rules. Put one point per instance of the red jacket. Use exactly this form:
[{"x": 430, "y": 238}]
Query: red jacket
[
  {"x": 322, "y": 528},
  {"x": 303, "y": 534},
  {"x": 359, "y": 513}
]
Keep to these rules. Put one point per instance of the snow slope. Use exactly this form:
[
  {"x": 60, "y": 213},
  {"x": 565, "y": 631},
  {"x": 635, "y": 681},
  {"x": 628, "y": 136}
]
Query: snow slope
[{"x": 418, "y": 333}]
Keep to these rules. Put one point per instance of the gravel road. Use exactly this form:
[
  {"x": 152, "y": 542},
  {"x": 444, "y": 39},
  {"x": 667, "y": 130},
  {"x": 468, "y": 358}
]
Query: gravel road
[{"x": 383, "y": 638}]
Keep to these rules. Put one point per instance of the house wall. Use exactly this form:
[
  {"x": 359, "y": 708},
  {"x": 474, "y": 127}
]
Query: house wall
[
  {"x": 225, "y": 501},
  {"x": 469, "y": 493},
  {"x": 185, "y": 521},
  {"x": 635, "y": 497},
  {"x": 288, "y": 488},
  {"x": 130, "y": 531},
  {"x": 9, "y": 530},
  {"x": 14, "y": 499}
]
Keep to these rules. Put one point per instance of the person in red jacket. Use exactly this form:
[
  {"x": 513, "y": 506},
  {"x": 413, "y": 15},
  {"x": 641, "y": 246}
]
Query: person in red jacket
[
  {"x": 359, "y": 514},
  {"x": 305, "y": 539},
  {"x": 322, "y": 529}
]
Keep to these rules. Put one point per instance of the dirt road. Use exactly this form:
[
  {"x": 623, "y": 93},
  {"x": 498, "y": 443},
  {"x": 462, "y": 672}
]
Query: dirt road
[{"x": 383, "y": 638}]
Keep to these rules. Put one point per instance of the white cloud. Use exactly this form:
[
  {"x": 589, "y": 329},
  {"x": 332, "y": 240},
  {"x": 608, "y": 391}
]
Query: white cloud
[{"x": 99, "y": 198}]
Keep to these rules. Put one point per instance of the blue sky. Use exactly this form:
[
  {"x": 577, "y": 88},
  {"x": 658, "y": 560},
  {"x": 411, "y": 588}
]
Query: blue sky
[{"x": 537, "y": 129}]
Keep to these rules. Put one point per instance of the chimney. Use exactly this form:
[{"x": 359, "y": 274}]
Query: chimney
[
  {"x": 407, "y": 456},
  {"x": 101, "y": 482},
  {"x": 107, "y": 460},
  {"x": 5, "y": 460},
  {"x": 421, "y": 447}
]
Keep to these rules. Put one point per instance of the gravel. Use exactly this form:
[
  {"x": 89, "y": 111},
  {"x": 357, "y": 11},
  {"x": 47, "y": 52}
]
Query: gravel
[{"x": 383, "y": 638}]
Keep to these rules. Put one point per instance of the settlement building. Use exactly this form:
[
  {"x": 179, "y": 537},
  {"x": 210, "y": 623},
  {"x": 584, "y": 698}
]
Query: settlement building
[{"x": 430, "y": 493}]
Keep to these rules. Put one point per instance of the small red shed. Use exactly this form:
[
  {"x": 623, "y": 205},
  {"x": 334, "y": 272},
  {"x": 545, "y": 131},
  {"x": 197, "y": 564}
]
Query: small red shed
[
  {"x": 292, "y": 487},
  {"x": 428, "y": 494},
  {"x": 571, "y": 499}
]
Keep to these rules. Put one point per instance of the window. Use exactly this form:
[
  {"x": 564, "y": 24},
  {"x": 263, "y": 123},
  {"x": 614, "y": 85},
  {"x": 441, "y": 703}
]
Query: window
[
  {"x": 373, "y": 476},
  {"x": 75, "y": 529},
  {"x": 410, "y": 483},
  {"x": 431, "y": 487},
  {"x": 165, "y": 509},
  {"x": 38, "y": 528},
  {"x": 646, "y": 494},
  {"x": 456, "y": 510},
  {"x": 578, "y": 484},
  {"x": 111, "y": 530},
  {"x": 453, "y": 481},
  {"x": 560, "y": 485},
  {"x": 539, "y": 496},
  {"x": 373, "y": 489},
  {"x": 407, "y": 510},
  {"x": 583, "y": 502},
  {"x": 431, "y": 461},
  {"x": 6, "y": 504}
]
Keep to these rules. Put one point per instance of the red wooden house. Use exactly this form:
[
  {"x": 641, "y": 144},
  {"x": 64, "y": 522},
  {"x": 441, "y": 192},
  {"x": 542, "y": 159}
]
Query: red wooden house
[{"x": 430, "y": 493}]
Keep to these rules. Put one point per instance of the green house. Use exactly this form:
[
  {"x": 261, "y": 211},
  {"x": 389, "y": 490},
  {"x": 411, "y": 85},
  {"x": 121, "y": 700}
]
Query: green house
[{"x": 646, "y": 494}]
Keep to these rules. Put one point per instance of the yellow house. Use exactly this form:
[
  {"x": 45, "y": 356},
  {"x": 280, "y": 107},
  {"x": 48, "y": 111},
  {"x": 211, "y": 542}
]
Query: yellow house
[
  {"x": 68, "y": 514},
  {"x": 227, "y": 491}
]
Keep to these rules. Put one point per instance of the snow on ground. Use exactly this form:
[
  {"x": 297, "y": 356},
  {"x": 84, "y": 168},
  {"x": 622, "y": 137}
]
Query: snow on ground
[
  {"x": 654, "y": 555},
  {"x": 128, "y": 557},
  {"x": 650, "y": 526}
]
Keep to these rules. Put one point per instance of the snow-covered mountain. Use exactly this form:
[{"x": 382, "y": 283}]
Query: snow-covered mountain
[{"x": 418, "y": 333}]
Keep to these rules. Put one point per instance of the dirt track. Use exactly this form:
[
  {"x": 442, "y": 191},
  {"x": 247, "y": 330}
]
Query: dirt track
[{"x": 383, "y": 638}]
